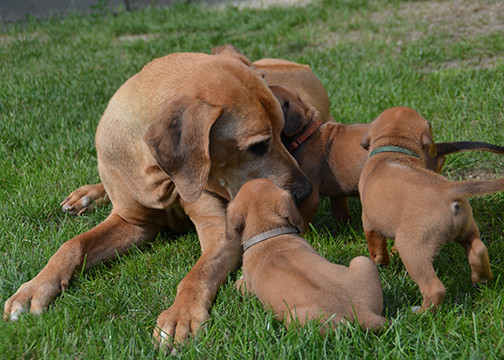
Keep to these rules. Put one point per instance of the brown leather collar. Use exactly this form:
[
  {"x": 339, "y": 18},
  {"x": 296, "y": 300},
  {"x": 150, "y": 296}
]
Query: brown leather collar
[{"x": 298, "y": 141}]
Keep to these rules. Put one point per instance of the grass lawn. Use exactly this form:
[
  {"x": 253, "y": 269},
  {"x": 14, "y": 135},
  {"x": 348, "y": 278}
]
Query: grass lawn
[{"x": 445, "y": 59}]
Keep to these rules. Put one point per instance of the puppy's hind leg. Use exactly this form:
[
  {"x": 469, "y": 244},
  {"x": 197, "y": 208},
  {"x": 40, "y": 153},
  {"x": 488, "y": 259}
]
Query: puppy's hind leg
[
  {"x": 377, "y": 247},
  {"x": 477, "y": 254},
  {"x": 417, "y": 255}
]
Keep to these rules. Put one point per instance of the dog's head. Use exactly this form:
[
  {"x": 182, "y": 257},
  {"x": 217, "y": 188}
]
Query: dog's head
[
  {"x": 400, "y": 126},
  {"x": 260, "y": 206},
  {"x": 223, "y": 129}
]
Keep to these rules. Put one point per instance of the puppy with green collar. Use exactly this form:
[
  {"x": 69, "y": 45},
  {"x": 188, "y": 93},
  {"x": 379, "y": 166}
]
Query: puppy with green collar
[{"x": 403, "y": 200}]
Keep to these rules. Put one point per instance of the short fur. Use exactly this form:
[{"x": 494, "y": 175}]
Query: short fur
[
  {"x": 332, "y": 156},
  {"x": 176, "y": 142},
  {"x": 287, "y": 274},
  {"x": 420, "y": 209}
]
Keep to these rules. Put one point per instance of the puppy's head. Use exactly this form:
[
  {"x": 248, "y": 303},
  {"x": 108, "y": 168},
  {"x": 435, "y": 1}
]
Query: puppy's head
[
  {"x": 400, "y": 126},
  {"x": 297, "y": 114},
  {"x": 260, "y": 206}
]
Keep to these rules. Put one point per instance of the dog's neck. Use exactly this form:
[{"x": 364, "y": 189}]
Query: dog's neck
[
  {"x": 394, "y": 148},
  {"x": 294, "y": 142},
  {"x": 269, "y": 234}
]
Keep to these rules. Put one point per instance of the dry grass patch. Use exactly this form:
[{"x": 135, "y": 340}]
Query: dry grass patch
[{"x": 454, "y": 19}]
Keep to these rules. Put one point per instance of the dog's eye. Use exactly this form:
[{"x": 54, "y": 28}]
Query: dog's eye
[{"x": 259, "y": 148}]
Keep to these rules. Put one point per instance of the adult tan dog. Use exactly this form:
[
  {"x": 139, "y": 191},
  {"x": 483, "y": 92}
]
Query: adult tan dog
[
  {"x": 420, "y": 209},
  {"x": 275, "y": 72},
  {"x": 332, "y": 156},
  {"x": 176, "y": 142},
  {"x": 287, "y": 274}
]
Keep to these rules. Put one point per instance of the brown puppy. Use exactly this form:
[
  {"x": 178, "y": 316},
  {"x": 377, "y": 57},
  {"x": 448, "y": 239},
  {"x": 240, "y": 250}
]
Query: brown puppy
[
  {"x": 176, "y": 142},
  {"x": 286, "y": 273},
  {"x": 420, "y": 209},
  {"x": 332, "y": 156}
]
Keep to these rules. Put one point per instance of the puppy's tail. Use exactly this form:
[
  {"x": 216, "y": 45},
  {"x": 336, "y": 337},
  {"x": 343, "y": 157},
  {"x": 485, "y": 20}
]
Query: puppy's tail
[
  {"x": 446, "y": 148},
  {"x": 463, "y": 189}
]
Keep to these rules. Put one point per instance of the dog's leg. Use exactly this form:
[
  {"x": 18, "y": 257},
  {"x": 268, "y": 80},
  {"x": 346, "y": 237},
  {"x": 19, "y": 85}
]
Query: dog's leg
[
  {"x": 417, "y": 255},
  {"x": 377, "y": 247},
  {"x": 477, "y": 254},
  {"x": 85, "y": 198},
  {"x": 113, "y": 236},
  {"x": 197, "y": 290},
  {"x": 340, "y": 210}
]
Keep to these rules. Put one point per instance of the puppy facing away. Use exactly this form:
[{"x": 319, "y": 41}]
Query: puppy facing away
[
  {"x": 287, "y": 274},
  {"x": 420, "y": 209},
  {"x": 331, "y": 155}
]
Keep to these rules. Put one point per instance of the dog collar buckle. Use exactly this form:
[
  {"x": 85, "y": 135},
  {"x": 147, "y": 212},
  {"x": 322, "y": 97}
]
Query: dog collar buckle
[
  {"x": 269, "y": 234},
  {"x": 297, "y": 142}
]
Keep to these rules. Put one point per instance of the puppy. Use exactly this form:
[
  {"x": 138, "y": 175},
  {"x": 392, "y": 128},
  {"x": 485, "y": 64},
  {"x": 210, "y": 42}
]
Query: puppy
[
  {"x": 286, "y": 273},
  {"x": 331, "y": 155},
  {"x": 420, "y": 209}
]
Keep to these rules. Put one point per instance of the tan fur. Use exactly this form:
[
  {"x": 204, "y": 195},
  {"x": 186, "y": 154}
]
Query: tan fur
[
  {"x": 176, "y": 141},
  {"x": 332, "y": 156},
  {"x": 288, "y": 275},
  {"x": 420, "y": 209}
]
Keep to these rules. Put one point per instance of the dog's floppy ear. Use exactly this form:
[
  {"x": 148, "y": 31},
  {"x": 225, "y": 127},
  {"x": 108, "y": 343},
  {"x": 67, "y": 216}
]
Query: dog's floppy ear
[
  {"x": 287, "y": 209},
  {"x": 180, "y": 144},
  {"x": 229, "y": 49},
  {"x": 234, "y": 222}
]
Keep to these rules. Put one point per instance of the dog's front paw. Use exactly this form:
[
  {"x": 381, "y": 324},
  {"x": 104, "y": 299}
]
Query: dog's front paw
[
  {"x": 31, "y": 296},
  {"x": 176, "y": 324},
  {"x": 84, "y": 199}
]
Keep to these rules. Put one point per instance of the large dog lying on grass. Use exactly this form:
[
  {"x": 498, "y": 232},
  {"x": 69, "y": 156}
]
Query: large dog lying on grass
[{"x": 176, "y": 142}]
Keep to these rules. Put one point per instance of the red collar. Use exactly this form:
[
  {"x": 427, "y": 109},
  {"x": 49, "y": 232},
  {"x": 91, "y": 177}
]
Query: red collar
[{"x": 303, "y": 136}]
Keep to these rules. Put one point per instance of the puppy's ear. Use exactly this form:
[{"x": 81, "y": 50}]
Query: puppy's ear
[
  {"x": 287, "y": 209},
  {"x": 366, "y": 139},
  {"x": 230, "y": 50},
  {"x": 234, "y": 222},
  {"x": 428, "y": 142},
  {"x": 440, "y": 163},
  {"x": 296, "y": 112},
  {"x": 180, "y": 144}
]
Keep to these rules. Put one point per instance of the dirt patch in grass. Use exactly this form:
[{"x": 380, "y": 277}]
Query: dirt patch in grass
[
  {"x": 261, "y": 4},
  {"x": 454, "y": 19}
]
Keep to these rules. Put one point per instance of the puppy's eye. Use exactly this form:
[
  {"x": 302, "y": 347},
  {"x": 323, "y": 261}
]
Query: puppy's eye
[{"x": 259, "y": 148}]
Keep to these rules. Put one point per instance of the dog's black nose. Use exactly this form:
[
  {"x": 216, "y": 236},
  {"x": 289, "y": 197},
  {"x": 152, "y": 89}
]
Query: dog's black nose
[{"x": 302, "y": 189}]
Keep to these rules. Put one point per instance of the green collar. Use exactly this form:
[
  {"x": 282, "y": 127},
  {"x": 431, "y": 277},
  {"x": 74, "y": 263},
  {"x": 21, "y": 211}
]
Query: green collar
[{"x": 392, "y": 148}]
